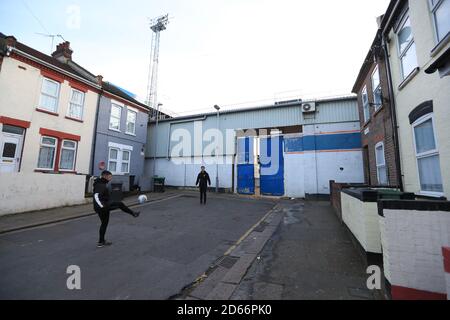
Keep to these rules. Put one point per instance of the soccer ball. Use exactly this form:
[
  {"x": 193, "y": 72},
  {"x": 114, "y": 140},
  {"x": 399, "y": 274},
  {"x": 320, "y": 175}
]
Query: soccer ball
[{"x": 142, "y": 198}]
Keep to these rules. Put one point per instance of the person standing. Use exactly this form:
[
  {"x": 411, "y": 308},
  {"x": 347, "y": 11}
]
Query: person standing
[
  {"x": 203, "y": 181},
  {"x": 103, "y": 206}
]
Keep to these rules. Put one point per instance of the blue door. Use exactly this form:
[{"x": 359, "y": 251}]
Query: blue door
[
  {"x": 245, "y": 166},
  {"x": 272, "y": 166}
]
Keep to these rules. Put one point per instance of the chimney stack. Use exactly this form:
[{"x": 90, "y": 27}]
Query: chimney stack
[
  {"x": 100, "y": 79},
  {"x": 63, "y": 52},
  {"x": 10, "y": 41},
  {"x": 380, "y": 20}
]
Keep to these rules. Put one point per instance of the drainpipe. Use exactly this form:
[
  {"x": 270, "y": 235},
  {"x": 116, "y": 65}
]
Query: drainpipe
[
  {"x": 94, "y": 143},
  {"x": 393, "y": 113}
]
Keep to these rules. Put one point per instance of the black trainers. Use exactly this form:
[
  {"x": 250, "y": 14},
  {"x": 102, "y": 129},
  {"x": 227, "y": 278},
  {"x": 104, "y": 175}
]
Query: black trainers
[
  {"x": 136, "y": 214},
  {"x": 103, "y": 244}
]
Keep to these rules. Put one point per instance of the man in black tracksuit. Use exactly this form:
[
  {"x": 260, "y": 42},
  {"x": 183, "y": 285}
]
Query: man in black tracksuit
[
  {"x": 103, "y": 205},
  {"x": 203, "y": 181}
]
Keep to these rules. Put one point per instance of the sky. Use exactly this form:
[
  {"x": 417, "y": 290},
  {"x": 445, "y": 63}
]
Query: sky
[{"x": 233, "y": 53}]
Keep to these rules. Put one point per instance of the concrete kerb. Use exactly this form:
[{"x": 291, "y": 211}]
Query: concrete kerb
[
  {"x": 133, "y": 204},
  {"x": 221, "y": 283}
]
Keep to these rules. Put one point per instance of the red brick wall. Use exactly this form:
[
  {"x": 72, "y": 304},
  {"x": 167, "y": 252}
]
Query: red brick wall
[{"x": 379, "y": 125}]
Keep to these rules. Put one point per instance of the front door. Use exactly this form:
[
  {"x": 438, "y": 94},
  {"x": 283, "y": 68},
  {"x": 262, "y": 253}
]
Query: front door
[{"x": 10, "y": 152}]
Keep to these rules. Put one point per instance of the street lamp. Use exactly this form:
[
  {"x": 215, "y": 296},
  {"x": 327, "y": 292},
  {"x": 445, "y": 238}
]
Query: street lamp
[
  {"x": 217, "y": 150},
  {"x": 156, "y": 140}
]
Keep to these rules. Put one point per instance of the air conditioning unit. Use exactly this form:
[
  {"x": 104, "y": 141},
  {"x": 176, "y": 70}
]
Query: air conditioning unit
[{"x": 308, "y": 107}]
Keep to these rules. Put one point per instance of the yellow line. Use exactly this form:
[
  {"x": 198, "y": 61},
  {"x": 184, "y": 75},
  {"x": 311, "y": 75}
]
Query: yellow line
[{"x": 249, "y": 231}]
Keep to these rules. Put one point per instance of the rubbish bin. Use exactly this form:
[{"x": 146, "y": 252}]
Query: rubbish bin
[
  {"x": 116, "y": 191},
  {"x": 158, "y": 184}
]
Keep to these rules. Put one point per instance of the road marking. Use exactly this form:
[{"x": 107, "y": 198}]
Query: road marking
[{"x": 249, "y": 231}]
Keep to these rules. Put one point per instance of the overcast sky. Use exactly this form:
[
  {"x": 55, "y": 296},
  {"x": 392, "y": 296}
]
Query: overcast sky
[{"x": 226, "y": 52}]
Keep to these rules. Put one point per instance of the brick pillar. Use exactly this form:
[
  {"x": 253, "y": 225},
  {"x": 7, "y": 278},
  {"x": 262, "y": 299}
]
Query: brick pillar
[{"x": 446, "y": 254}]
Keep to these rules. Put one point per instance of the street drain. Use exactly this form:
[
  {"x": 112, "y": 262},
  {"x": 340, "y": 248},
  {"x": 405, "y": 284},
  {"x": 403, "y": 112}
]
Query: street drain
[{"x": 228, "y": 262}]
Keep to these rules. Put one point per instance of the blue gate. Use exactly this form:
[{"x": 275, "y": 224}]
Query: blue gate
[
  {"x": 245, "y": 166},
  {"x": 272, "y": 166}
]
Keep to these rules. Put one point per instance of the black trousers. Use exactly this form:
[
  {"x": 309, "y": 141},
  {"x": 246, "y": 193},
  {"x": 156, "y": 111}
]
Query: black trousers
[
  {"x": 203, "y": 194},
  {"x": 103, "y": 214}
]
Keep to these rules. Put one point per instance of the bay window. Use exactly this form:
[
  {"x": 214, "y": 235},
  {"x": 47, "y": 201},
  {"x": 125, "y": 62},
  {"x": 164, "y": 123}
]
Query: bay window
[
  {"x": 49, "y": 95},
  {"x": 47, "y": 153},
  {"x": 68, "y": 153}
]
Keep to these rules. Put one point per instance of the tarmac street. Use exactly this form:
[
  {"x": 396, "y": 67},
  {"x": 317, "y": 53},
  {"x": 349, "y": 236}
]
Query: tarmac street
[{"x": 154, "y": 256}]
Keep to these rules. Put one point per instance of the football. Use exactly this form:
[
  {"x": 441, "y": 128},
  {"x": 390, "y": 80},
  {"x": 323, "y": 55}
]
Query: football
[{"x": 142, "y": 198}]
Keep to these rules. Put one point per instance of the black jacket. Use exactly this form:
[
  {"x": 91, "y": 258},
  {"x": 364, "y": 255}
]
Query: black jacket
[
  {"x": 101, "y": 194},
  {"x": 203, "y": 180}
]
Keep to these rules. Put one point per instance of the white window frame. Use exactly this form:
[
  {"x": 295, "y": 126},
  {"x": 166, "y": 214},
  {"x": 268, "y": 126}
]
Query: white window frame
[
  {"x": 74, "y": 149},
  {"x": 433, "y": 9},
  {"x": 374, "y": 89},
  {"x": 41, "y": 144},
  {"x": 364, "y": 105},
  {"x": 430, "y": 153},
  {"x": 69, "y": 113},
  {"x": 125, "y": 161},
  {"x": 402, "y": 54},
  {"x": 120, "y": 149},
  {"x": 111, "y": 116},
  {"x": 135, "y": 122},
  {"x": 46, "y": 94},
  {"x": 382, "y": 165}
]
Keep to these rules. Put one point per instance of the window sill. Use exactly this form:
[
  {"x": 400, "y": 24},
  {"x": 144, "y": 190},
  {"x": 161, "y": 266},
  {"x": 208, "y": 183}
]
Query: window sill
[
  {"x": 408, "y": 78},
  {"x": 377, "y": 111},
  {"x": 47, "y": 112},
  {"x": 115, "y": 130},
  {"x": 441, "y": 45},
  {"x": 130, "y": 134},
  {"x": 51, "y": 171},
  {"x": 437, "y": 195},
  {"x": 74, "y": 119}
]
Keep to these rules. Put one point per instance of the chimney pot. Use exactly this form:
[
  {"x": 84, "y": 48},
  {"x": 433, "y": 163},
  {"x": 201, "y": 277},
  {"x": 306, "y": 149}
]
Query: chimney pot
[
  {"x": 63, "y": 52},
  {"x": 100, "y": 79}
]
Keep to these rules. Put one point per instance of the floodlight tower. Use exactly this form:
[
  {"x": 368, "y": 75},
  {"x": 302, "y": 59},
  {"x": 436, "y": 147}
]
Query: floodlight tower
[{"x": 156, "y": 25}]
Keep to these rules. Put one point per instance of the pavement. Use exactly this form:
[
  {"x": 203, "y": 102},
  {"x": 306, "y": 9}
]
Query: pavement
[
  {"x": 155, "y": 256},
  {"x": 233, "y": 248}
]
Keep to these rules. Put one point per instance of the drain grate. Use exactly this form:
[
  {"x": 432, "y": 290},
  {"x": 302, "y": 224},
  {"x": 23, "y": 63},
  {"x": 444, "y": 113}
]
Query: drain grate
[{"x": 228, "y": 262}]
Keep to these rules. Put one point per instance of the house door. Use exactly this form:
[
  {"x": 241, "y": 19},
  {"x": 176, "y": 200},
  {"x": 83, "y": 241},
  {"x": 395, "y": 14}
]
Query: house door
[
  {"x": 272, "y": 166},
  {"x": 10, "y": 152}
]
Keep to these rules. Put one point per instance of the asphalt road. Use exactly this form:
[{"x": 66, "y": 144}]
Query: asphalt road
[{"x": 152, "y": 257}]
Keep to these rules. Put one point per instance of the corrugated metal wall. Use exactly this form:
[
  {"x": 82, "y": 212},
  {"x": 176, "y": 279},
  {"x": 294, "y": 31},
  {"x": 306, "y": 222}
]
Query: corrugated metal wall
[{"x": 327, "y": 112}]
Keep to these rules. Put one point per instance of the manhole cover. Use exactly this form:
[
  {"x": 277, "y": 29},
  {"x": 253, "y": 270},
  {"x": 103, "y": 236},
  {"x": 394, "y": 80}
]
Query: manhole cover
[{"x": 228, "y": 262}]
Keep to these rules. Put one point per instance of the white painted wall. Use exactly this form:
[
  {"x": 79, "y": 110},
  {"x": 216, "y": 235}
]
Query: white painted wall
[
  {"x": 362, "y": 220},
  {"x": 412, "y": 248},
  {"x": 294, "y": 175},
  {"x": 421, "y": 88},
  {"x": 21, "y": 192}
]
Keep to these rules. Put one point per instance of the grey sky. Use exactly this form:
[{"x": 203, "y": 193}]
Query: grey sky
[{"x": 224, "y": 52}]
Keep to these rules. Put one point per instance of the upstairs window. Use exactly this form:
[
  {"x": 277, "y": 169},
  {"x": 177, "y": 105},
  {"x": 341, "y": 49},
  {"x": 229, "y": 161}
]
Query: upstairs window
[
  {"x": 116, "y": 115},
  {"x": 131, "y": 122},
  {"x": 376, "y": 87},
  {"x": 365, "y": 101},
  {"x": 49, "y": 95},
  {"x": 441, "y": 16},
  {"x": 76, "y": 105},
  {"x": 406, "y": 48}
]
